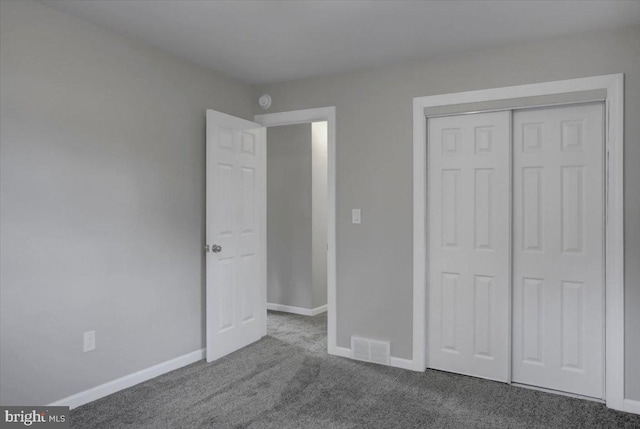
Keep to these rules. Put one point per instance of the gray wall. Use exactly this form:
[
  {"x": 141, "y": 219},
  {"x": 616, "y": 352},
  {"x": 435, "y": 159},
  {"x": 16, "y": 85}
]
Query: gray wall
[
  {"x": 319, "y": 211},
  {"x": 102, "y": 202},
  {"x": 374, "y": 168},
  {"x": 297, "y": 215},
  {"x": 289, "y": 263}
]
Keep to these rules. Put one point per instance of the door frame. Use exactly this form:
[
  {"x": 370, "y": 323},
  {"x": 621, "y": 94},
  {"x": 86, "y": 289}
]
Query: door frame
[
  {"x": 613, "y": 84},
  {"x": 327, "y": 114}
]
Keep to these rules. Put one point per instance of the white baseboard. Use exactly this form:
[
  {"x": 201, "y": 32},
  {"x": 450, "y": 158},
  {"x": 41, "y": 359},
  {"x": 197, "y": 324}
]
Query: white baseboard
[
  {"x": 297, "y": 310},
  {"x": 403, "y": 363},
  {"x": 343, "y": 352},
  {"x": 395, "y": 362},
  {"x": 121, "y": 383},
  {"x": 631, "y": 406}
]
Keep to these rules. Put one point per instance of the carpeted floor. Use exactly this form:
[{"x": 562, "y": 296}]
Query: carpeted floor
[{"x": 287, "y": 380}]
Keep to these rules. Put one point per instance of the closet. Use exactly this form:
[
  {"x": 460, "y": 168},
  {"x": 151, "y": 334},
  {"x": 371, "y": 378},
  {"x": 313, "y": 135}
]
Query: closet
[{"x": 516, "y": 246}]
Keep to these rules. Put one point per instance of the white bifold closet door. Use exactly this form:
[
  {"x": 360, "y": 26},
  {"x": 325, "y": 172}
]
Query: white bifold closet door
[
  {"x": 469, "y": 244},
  {"x": 558, "y": 223}
]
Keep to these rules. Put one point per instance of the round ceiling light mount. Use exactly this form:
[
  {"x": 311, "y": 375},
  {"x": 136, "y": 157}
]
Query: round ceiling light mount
[{"x": 264, "y": 101}]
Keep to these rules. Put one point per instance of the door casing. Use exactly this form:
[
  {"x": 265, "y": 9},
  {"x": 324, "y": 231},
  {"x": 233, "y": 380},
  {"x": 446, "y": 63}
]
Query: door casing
[{"x": 614, "y": 208}]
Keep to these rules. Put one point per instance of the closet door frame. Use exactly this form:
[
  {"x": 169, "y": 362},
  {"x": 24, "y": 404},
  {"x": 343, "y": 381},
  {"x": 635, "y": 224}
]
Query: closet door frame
[{"x": 612, "y": 88}]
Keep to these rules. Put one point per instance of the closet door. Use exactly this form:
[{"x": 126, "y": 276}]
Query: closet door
[
  {"x": 469, "y": 244},
  {"x": 558, "y": 308}
]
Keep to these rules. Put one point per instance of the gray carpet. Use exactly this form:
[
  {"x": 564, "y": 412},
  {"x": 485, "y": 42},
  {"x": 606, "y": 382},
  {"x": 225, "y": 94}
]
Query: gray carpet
[{"x": 287, "y": 380}]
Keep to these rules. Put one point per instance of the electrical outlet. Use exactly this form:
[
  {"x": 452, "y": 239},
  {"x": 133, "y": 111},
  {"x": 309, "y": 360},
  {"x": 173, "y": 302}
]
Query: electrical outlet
[{"x": 89, "y": 342}]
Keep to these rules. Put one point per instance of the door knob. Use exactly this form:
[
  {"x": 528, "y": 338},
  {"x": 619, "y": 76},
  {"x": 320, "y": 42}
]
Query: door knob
[{"x": 216, "y": 249}]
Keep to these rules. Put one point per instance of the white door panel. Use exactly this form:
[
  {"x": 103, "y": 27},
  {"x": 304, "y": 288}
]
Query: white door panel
[
  {"x": 469, "y": 244},
  {"x": 236, "y": 288},
  {"x": 558, "y": 308}
]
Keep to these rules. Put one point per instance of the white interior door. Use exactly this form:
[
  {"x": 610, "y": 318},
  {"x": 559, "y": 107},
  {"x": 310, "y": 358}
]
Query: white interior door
[
  {"x": 558, "y": 308},
  {"x": 235, "y": 229},
  {"x": 469, "y": 244}
]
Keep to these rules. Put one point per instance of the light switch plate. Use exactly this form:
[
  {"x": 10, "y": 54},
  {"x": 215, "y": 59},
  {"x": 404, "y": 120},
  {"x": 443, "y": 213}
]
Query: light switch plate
[
  {"x": 89, "y": 341},
  {"x": 355, "y": 216}
]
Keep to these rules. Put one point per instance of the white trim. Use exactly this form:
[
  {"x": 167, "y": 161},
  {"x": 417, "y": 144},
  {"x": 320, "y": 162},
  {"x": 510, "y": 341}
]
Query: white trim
[
  {"x": 343, "y": 352},
  {"x": 313, "y": 115},
  {"x": 296, "y": 116},
  {"x": 613, "y": 84},
  {"x": 614, "y": 252},
  {"x": 263, "y": 231},
  {"x": 395, "y": 362},
  {"x": 420, "y": 303},
  {"x": 127, "y": 381},
  {"x": 297, "y": 310}
]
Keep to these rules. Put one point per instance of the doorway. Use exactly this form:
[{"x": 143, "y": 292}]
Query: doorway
[
  {"x": 297, "y": 218},
  {"x": 308, "y": 117}
]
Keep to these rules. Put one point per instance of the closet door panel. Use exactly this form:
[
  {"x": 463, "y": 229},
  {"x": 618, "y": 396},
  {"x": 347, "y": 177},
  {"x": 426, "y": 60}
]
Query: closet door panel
[
  {"x": 558, "y": 273},
  {"x": 469, "y": 240}
]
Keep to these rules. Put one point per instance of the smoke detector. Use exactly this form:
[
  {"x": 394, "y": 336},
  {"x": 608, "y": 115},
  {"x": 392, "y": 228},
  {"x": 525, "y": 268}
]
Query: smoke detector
[{"x": 264, "y": 101}]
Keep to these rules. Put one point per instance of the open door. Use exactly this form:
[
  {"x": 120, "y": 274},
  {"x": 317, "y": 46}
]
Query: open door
[{"x": 236, "y": 234}]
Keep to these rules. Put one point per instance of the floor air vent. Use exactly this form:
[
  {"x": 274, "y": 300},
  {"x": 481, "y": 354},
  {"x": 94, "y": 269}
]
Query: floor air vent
[{"x": 370, "y": 350}]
